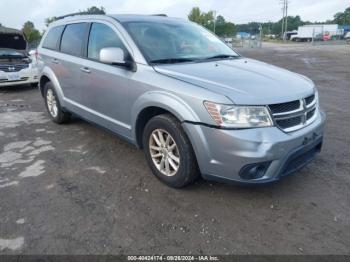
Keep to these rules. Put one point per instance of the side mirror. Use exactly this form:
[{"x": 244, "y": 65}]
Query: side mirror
[
  {"x": 116, "y": 56},
  {"x": 112, "y": 55}
]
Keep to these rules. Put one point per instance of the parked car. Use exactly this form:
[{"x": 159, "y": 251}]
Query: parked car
[
  {"x": 16, "y": 65},
  {"x": 347, "y": 37},
  {"x": 194, "y": 105}
]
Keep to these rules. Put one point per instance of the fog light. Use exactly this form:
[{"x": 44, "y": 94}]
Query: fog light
[{"x": 254, "y": 171}]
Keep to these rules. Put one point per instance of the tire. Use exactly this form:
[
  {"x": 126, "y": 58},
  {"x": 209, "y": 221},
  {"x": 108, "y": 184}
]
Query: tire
[
  {"x": 187, "y": 169},
  {"x": 58, "y": 116}
]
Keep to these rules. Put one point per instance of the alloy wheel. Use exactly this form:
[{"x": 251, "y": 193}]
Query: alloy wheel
[
  {"x": 51, "y": 103},
  {"x": 164, "y": 152}
]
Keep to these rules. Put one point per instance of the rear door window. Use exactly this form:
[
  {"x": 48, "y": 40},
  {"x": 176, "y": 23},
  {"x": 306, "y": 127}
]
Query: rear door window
[
  {"x": 52, "y": 38},
  {"x": 72, "y": 39}
]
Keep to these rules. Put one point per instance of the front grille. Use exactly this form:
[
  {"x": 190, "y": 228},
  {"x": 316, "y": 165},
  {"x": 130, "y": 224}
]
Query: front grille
[
  {"x": 309, "y": 99},
  {"x": 310, "y": 114},
  {"x": 285, "y": 107},
  {"x": 289, "y": 122},
  {"x": 13, "y": 68},
  {"x": 296, "y": 114}
]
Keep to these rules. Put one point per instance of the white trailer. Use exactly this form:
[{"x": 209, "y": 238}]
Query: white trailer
[{"x": 316, "y": 32}]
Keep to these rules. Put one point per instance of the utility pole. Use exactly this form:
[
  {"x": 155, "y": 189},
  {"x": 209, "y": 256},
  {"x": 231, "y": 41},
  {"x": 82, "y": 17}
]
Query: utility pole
[
  {"x": 286, "y": 23},
  {"x": 284, "y": 18},
  {"x": 284, "y": 11},
  {"x": 214, "y": 20},
  {"x": 260, "y": 37}
]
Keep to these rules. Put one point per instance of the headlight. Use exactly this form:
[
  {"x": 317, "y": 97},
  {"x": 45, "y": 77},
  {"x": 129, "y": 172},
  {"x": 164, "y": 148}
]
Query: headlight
[{"x": 233, "y": 116}]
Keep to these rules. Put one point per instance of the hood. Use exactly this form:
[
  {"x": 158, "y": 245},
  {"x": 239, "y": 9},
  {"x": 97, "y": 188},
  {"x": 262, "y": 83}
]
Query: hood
[
  {"x": 243, "y": 81},
  {"x": 12, "y": 39}
]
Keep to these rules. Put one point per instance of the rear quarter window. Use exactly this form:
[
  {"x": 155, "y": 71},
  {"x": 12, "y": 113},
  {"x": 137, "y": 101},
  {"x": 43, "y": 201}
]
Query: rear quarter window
[
  {"x": 72, "y": 39},
  {"x": 52, "y": 39}
]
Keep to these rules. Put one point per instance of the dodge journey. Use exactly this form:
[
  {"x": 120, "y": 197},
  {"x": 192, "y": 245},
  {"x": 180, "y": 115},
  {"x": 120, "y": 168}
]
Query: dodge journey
[{"x": 194, "y": 105}]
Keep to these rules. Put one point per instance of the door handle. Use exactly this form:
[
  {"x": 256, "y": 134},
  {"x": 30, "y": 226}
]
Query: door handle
[
  {"x": 85, "y": 70},
  {"x": 55, "y": 61}
]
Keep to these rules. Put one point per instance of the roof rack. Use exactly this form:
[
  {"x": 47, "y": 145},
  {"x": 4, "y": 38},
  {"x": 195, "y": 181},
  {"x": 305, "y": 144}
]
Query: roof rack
[
  {"x": 73, "y": 14},
  {"x": 160, "y": 15}
]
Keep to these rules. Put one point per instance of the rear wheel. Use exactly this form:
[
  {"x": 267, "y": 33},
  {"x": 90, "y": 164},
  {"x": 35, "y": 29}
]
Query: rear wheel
[
  {"x": 169, "y": 152},
  {"x": 53, "y": 105}
]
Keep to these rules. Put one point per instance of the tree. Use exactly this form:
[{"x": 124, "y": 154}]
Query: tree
[
  {"x": 28, "y": 27},
  {"x": 271, "y": 27},
  {"x": 342, "y": 18},
  {"x": 93, "y": 10},
  {"x": 202, "y": 18},
  {"x": 195, "y": 15},
  {"x": 230, "y": 29},
  {"x": 49, "y": 20},
  {"x": 33, "y": 35},
  {"x": 222, "y": 28},
  {"x": 220, "y": 24},
  {"x": 208, "y": 20},
  {"x": 251, "y": 27}
]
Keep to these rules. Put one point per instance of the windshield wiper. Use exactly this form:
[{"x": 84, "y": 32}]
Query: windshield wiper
[
  {"x": 221, "y": 56},
  {"x": 171, "y": 60}
]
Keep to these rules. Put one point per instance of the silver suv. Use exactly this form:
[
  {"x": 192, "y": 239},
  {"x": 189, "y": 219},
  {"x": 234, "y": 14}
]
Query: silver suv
[{"x": 170, "y": 87}]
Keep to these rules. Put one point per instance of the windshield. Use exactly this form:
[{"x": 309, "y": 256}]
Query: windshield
[{"x": 177, "y": 41}]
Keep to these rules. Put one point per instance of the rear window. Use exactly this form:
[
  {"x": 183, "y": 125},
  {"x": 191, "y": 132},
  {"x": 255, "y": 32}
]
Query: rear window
[
  {"x": 52, "y": 38},
  {"x": 72, "y": 39}
]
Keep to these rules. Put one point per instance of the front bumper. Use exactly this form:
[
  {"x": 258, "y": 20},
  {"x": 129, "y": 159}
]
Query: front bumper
[
  {"x": 26, "y": 76},
  {"x": 222, "y": 154}
]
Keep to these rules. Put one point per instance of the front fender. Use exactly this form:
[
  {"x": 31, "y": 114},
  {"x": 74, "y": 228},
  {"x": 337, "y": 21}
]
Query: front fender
[
  {"x": 167, "y": 101},
  {"x": 47, "y": 72}
]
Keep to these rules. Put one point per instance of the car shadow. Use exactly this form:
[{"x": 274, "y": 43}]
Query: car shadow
[
  {"x": 16, "y": 88},
  {"x": 279, "y": 187}
]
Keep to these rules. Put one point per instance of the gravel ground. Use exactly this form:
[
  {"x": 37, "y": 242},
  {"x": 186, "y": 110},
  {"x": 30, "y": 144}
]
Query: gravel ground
[{"x": 76, "y": 189}]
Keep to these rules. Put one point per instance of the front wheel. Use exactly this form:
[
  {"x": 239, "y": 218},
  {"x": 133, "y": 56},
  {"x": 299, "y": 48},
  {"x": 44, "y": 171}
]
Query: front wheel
[{"x": 169, "y": 152}]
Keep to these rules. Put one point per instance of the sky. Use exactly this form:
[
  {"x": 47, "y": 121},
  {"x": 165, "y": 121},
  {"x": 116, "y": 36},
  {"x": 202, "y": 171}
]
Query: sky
[{"x": 14, "y": 13}]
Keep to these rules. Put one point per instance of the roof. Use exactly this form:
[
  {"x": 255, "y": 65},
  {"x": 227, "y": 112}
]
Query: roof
[
  {"x": 6, "y": 30},
  {"x": 121, "y": 18},
  {"x": 142, "y": 18}
]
